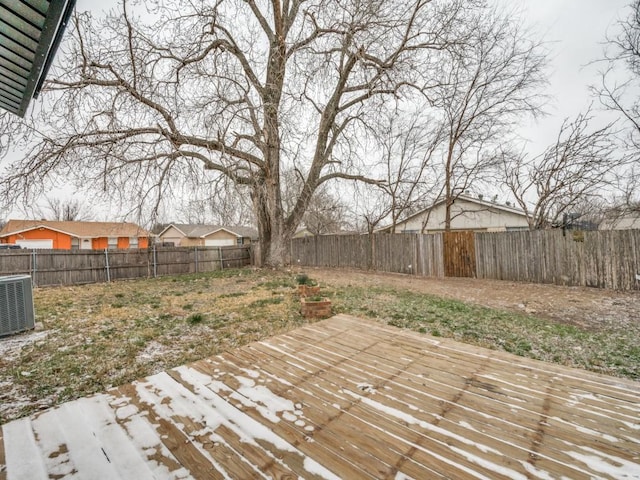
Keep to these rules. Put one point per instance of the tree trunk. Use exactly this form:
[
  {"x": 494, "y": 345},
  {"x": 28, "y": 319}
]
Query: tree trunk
[
  {"x": 274, "y": 236},
  {"x": 278, "y": 251},
  {"x": 448, "y": 201},
  {"x": 268, "y": 197}
]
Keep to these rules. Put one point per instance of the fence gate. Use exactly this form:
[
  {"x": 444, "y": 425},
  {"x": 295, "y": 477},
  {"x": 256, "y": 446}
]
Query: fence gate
[{"x": 459, "y": 254}]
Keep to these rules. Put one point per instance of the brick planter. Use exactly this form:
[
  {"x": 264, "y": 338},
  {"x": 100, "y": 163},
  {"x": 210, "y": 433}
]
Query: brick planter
[
  {"x": 308, "y": 290},
  {"x": 316, "y": 309}
]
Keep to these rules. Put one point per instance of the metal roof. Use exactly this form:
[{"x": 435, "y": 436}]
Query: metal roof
[{"x": 30, "y": 32}]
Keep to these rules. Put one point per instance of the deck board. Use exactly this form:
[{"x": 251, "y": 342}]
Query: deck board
[{"x": 342, "y": 398}]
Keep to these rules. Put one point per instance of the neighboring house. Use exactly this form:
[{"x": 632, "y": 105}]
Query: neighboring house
[
  {"x": 74, "y": 235},
  {"x": 621, "y": 221},
  {"x": 184, "y": 235},
  {"x": 467, "y": 213},
  {"x": 303, "y": 232}
]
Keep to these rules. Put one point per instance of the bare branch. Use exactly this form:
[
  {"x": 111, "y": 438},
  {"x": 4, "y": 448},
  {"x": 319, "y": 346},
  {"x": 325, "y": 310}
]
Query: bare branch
[
  {"x": 147, "y": 109},
  {"x": 575, "y": 170}
]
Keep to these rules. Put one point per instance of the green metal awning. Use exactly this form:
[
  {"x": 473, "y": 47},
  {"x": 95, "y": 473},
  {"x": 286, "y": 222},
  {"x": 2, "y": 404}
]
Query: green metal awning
[{"x": 30, "y": 32}]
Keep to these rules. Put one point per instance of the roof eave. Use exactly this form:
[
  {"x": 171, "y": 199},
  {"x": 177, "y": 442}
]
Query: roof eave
[
  {"x": 461, "y": 197},
  {"x": 37, "y": 227},
  {"x": 168, "y": 227},
  {"x": 219, "y": 229},
  {"x": 58, "y": 16}
]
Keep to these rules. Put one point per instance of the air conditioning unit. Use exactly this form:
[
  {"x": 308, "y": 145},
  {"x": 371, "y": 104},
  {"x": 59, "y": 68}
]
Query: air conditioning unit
[{"x": 16, "y": 304}]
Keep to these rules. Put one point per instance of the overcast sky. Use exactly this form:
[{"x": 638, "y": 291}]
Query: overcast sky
[{"x": 575, "y": 31}]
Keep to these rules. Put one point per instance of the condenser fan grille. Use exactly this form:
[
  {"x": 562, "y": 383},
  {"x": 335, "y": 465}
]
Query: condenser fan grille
[{"x": 16, "y": 304}]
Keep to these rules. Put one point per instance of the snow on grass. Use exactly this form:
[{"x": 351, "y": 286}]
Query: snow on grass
[
  {"x": 152, "y": 351},
  {"x": 10, "y": 347}
]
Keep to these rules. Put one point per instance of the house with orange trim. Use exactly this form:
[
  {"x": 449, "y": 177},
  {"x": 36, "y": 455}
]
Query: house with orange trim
[{"x": 67, "y": 235}]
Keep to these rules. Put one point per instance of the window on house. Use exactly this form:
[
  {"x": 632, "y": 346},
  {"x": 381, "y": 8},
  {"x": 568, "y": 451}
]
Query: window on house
[
  {"x": 113, "y": 243},
  {"x": 75, "y": 243},
  {"x": 133, "y": 242},
  {"x": 240, "y": 241}
]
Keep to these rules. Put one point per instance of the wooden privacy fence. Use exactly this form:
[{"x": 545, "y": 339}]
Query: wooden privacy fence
[
  {"x": 402, "y": 253},
  {"x": 604, "y": 259},
  {"x": 61, "y": 267}
]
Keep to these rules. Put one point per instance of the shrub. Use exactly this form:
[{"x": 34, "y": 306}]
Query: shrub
[
  {"x": 303, "y": 279},
  {"x": 195, "y": 319}
]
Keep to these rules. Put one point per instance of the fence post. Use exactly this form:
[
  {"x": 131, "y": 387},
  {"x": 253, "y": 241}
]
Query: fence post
[
  {"x": 196, "y": 257},
  {"x": 416, "y": 245},
  {"x": 315, "y": 246},
  {"x": 372, "y": 251},
  {"x": 34, "y": 267},
  {"x": 155, "y": 262},
  {"x": 221, "y": 259},
  {"x": 106, "y": 264}
]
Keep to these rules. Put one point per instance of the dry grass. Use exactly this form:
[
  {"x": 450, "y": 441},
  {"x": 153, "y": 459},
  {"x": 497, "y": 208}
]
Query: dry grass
[{"x": 97, "y": 336}]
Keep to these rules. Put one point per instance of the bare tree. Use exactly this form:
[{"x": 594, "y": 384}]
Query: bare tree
[
  {"x": 408, "y": 143},
  {"x": 325, "y": 214},
  {"x": 404, "y": 149},
  {"x": 486, "y": 85},
  {"x": 64, "y": 210},
  {"x": 243, "y": 89},
  {"x": 628, "y": 187},
  {"x": 573, "y": 171},
  {"x": 626, "y": 199},
  {"x": 369, "y": 210},
  {"x": 618, "y": 93},
  {"x": 220, "y": 202},
  {"x": 370, "y": 207}
]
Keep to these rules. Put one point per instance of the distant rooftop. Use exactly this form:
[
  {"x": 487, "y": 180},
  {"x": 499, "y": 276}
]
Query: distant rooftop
[
  {"x": 202, "y": 230},
  {"x": 76, "y": 228}
]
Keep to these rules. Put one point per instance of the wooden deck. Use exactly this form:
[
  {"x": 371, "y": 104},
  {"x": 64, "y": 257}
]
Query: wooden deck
[{"x": 343, "y": 398}]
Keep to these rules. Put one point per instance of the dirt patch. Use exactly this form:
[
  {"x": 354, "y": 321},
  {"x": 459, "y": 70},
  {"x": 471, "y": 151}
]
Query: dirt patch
[{"x": 588, "y": 308}]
